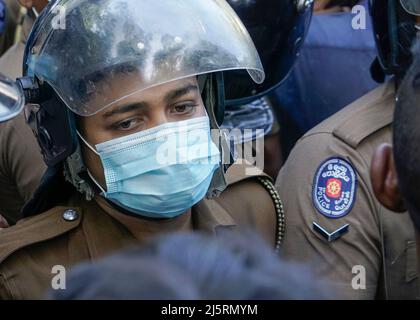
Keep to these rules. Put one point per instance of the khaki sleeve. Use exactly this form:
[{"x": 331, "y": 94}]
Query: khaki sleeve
[
  {"x": 21, "y": 167},
  {"x": 255, "y": 211},
  {"x": 360, "y": 246}
]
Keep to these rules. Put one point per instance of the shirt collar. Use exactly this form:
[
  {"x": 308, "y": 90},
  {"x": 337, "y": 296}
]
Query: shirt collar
[{"x": 144, "y": 228}]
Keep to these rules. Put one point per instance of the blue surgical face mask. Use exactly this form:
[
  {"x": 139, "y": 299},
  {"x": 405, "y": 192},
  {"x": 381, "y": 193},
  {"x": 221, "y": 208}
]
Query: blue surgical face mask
[{"x": 160, "y": 172}]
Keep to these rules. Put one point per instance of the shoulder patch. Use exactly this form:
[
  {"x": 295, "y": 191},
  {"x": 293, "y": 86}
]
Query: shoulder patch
[
  {"x": 48, "y": 225},
  {"x": 334, "y": 188}
]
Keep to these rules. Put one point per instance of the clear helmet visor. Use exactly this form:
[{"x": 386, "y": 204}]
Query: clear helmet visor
[
  {"x": 411, "y": 6},
  {"x": 83, "y": 47}
]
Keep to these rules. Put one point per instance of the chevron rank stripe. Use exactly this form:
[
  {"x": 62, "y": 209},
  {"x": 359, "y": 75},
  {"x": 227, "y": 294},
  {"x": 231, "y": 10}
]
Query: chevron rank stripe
[{"x": 330, "y": 237}]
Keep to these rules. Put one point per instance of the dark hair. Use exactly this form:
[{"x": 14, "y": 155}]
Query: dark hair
[
  {"x": 407, "y": 137},
  {"x": 194, "y": 266}
]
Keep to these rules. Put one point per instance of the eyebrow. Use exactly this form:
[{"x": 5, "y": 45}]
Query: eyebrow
[
  {"x": 139, "y": 105},
  {"x": 180, "y": 92},
  {"x": 125, "y": 109}
]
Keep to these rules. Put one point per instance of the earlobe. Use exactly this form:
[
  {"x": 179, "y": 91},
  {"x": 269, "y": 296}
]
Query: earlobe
[{"x": 385, "y": 180}]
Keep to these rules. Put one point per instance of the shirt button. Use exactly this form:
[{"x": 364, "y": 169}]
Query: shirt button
[{"x": 70, "y": 215}]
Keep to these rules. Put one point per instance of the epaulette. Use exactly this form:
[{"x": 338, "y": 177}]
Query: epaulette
[
  {"x": 243, "y": 170},
  {"x": 46, "y": 226},
  {"x": 366, "y": 116}
]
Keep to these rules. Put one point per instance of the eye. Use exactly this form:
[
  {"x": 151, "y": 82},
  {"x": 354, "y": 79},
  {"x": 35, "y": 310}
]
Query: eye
[
  {"x": 184, "y": 108},
  {"x": 128, "y": 124}
]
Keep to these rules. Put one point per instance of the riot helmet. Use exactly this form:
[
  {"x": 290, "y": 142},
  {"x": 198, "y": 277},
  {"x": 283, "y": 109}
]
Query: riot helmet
[
  {"x": 278, "y": 29},
  {"x": 394, "y": 28}
]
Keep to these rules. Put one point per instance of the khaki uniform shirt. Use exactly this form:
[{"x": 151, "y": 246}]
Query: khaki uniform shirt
[
  {"x": 376, "y": 256},
  {"x": 30, "y": 249},
  {"x": 21, "y": 163}
]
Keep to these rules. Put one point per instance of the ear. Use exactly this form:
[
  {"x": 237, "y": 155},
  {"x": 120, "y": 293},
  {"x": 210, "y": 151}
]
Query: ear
[{"x": 385, "y": 180}]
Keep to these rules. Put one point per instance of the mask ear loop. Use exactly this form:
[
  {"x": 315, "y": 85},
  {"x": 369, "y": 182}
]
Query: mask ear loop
[
  {"x": 96, "y": 182},
  {"x": 87, "y": 143},
  {"x": 211, "y": 100},
  {"x": 97, "y": 153}
]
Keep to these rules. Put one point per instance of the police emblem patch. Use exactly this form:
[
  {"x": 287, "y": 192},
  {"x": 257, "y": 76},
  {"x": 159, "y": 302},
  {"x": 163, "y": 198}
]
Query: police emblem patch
[{"x": 334, "y": 188}]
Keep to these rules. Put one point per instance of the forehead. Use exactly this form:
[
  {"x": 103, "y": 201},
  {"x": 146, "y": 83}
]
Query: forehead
[{"x": 156, "y": 94}]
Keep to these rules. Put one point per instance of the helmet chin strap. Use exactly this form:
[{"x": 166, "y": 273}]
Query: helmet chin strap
[{"x": 213, "y": 97}]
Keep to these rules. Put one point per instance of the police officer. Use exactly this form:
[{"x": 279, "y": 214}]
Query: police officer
[
  {"x": 21, "y": 164},
  {"x": 333, "y": 218},
  {"x": 122, "y": 101},
  {"x": 395, "y": 170}
]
